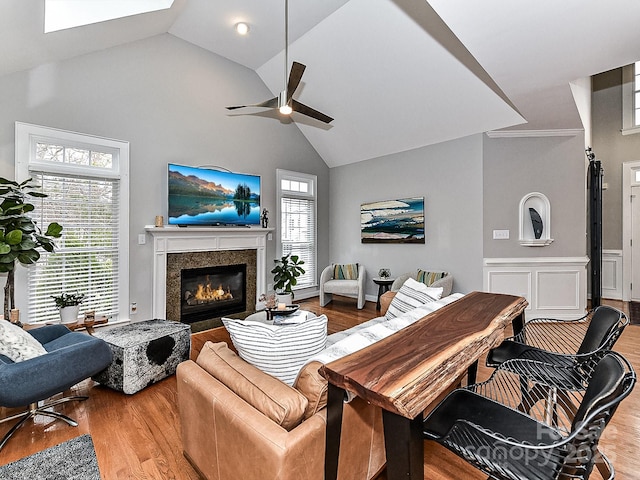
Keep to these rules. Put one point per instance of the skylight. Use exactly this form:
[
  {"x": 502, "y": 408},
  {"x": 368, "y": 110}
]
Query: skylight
[{"x": 62, "y": 14}]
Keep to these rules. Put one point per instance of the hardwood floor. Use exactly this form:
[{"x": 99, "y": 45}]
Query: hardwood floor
[{"x": 138, "y": 436}]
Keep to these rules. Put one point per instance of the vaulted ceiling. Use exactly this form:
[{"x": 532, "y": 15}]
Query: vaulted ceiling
[{"x": 395, "y": 74}]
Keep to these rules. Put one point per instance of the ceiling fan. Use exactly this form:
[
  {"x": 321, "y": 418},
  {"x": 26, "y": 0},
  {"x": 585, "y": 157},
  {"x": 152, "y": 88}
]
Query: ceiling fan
[{"x": 285, "y": 102}]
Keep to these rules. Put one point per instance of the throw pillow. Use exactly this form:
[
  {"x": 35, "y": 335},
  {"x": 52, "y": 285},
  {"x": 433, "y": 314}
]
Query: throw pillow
[
  {"x": 16, "y": 344},
  {"x": 313, "y": 386},
  {"x": 412, "y": 294},
  {"x": 281, "y": 403},
  {"x": 348, "y": 271},
  {"x": 428, "y": 278},
  {"x": 279, "y": 350}
]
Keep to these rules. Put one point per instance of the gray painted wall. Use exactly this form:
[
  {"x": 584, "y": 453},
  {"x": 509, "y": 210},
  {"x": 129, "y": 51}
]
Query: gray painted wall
[
  {"x": 166, "y": 97},
  {"x": 461, "y": 211},
  {"x": 447, "y": 175},
  {"x": 612, "y": 149},
  {"x": 514, "y": 167}
]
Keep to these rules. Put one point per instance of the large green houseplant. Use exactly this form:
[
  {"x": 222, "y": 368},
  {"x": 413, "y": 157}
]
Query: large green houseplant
[
  {"x": 20, "y": 236},
  {"x": 286, "y": 273}
]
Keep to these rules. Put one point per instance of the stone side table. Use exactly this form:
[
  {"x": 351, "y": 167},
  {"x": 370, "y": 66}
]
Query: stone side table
[{"x": 143, "y": 353}]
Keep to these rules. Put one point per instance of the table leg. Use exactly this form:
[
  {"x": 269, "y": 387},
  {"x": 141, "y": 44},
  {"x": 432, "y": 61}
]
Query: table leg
[
  {"x": 380, "y": 292},
  {"x": 472, "y": 373},
  {"x": 404, "y": 447},
  {"x": 518, "y": 323},
  {"x": 335, "y": 404}
]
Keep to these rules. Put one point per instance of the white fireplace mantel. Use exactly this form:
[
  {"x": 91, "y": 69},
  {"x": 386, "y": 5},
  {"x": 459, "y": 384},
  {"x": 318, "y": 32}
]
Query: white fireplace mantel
[{"x": 202, "y": 239}]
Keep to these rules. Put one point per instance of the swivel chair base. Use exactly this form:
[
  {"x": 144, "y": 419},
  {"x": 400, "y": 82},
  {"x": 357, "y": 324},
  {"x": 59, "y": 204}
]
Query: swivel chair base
[{"x": 36, "y": 409}]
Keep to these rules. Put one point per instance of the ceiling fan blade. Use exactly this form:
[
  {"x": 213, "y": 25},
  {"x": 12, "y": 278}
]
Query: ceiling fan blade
[
  {"x": 310, "y": 112},
  {"x": 271, "y": 103},
  {"x": 297, "y": 69}
]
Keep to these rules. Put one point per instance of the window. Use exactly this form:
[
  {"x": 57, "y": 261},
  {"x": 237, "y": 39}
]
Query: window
[
  {"x": 297, "y": 218},
  {"x": 86, "y": 180},
  {"x": 631, "y": 99},
  {"x": 62, "y": 14}
]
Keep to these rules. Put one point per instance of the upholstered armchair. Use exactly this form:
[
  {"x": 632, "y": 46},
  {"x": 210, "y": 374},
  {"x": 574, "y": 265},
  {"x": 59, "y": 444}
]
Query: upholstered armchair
[
  {"x": 446, "y": 281},
  {"x": 346, "y": 280},
  {"x": 68, "y": 358}
]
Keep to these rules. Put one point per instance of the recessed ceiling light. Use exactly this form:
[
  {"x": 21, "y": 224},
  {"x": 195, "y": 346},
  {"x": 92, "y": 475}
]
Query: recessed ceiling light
[{"x": 242, "y": 28}]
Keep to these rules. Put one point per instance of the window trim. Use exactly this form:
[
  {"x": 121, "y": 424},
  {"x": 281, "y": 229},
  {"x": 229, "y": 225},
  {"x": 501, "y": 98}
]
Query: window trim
[
  {"x": 26, "y": 136},
  {"x": 312, "y": 180},
  {"x": 628, "y": 100}
]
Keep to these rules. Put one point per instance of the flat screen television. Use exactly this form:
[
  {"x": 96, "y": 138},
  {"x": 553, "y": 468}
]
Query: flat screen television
[{"x": 205, "y": 197}]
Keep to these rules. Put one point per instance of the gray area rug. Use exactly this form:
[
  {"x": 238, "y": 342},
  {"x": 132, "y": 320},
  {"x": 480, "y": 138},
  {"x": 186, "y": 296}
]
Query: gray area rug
[{"x": 74, "y": 459}]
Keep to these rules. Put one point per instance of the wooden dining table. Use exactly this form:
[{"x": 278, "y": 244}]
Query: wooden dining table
[{"x": 407, "y": 371}]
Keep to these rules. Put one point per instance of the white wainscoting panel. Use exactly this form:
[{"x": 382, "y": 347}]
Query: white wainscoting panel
[
  {"x": 612, "y": 274},
  {"x": 554, "y": 286}
]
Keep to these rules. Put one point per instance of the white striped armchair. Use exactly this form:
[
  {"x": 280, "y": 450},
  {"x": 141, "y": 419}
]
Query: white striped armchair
[{"x": 350, "y": 287}]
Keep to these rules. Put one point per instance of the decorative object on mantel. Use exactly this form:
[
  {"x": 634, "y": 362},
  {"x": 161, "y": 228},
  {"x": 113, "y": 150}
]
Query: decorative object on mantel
[
  {"x": 286, "y": 273},
  {"x": 535, "y": 220},
  {"x": 159, "y": 221},
  {"x": 384, "y": 273},
  {"x": 393, "y": 221},
  {"x": 264, "y": 218},
  {"x": 20, "y": 236},
  {"x": 69, "y": 306}
]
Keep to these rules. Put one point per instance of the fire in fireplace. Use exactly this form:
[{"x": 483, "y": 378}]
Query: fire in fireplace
[{"x": 211, "y": 292}]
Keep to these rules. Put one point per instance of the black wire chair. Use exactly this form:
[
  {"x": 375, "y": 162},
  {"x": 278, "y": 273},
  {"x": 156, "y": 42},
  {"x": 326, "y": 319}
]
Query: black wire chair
[
  {"x": 560, "y": 341},
  {"x": 509, "y": 433},
  {"x": 575, "y": 345}
]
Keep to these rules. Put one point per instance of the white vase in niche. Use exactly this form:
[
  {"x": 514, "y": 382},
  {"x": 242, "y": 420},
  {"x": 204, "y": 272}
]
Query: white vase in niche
[{"x": 69, "y": 314}]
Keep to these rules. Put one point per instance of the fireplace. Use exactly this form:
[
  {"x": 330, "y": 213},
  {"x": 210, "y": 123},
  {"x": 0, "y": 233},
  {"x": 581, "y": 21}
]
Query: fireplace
[
  {"x": 175, "y": 249},
  {"x": 213, "y": 291},
  {"x": 183, "y": 270}
]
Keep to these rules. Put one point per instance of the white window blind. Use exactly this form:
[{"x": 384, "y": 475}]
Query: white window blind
[
  {"x": 636, "y": 94},
  {"x": 86, "y": 178},
  {"x": 86, "y": 258},
  {"x": 298, "y": 235},
  {"x": 297, "y": 193}
]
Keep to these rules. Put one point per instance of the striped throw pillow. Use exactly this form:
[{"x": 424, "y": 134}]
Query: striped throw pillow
[
  {"x": 429, "y": 277},
  {"x": 348, "y": 271},
  {"x": 412, "y": 294},
  {"x": 278, "y": 350}
]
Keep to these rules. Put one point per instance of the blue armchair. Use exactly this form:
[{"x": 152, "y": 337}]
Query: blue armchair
[{"x": 71, "y": 357}]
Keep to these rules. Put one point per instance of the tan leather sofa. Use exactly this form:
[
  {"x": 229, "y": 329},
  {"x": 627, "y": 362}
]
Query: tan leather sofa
[{"x": 240, "y": 423}]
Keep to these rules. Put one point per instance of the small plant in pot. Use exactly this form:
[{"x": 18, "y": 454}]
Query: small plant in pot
[
  {"x": 69, "y": 306},
  {"x": 285, "y": 276}
]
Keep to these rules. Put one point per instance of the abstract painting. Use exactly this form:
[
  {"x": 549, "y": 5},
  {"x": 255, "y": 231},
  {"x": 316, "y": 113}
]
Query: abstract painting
[{"x": 393, "y": 221}]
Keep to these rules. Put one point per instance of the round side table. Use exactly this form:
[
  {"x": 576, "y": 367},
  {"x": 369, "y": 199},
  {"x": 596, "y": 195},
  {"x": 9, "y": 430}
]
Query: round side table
[{"x": 384, "y": 284}]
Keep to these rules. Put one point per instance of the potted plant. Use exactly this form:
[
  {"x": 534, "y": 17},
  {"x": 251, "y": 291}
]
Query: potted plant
[
  {"x": 20, "y": 236},
  {"x": 69, "y": 305},
  {"x": 285, "y": 277}
]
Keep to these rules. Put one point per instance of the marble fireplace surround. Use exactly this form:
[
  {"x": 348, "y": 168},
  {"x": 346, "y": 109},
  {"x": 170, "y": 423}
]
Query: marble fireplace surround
[{"x": 189, "y": 247}]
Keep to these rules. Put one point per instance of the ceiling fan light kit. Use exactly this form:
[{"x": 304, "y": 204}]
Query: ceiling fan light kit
[
  {"x": 284, "y": 102},
  {"x": 242, "y": 28}
]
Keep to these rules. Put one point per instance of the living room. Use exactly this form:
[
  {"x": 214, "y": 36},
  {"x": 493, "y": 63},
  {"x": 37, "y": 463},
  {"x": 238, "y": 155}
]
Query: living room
[{"x": 166, "y": 98}]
